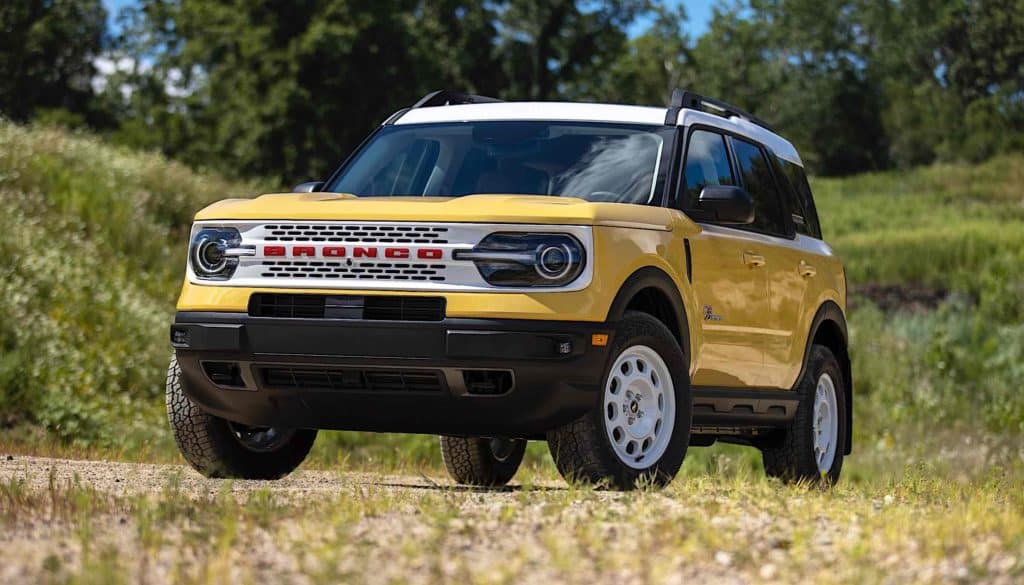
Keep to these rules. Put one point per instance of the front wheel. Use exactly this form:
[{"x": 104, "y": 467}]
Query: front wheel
[
  {"x": 639, "y": 428},
  {"x": 217, "y": 447}
]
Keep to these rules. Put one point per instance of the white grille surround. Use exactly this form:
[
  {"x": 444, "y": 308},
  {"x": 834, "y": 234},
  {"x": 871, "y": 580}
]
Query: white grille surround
[{"x": 357, "y": 255}]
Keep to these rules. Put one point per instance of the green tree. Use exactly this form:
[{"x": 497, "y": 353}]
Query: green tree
[
  {"x": 953, "y": 74},
  {"x": 799, "y": 64},
  {"x": 554, "y": 48},
  {"x": 47, "y": 48},
  {"x": 286, "y": 89},
  {"x": 653, "y": 64}
]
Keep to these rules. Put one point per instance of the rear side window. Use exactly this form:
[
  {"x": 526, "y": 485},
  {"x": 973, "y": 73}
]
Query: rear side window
[
  {"x": 805, "y": 215},
  {"x": 707, "y": 163},
  {"x": 757, "y": 178}
]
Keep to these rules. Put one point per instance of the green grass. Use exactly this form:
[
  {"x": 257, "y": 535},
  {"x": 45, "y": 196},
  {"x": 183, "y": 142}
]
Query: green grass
[
  {"x": 949, "y": 226},
  {"x": 92, "y": 239}
]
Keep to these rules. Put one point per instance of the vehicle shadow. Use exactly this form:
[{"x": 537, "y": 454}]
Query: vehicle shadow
[{"x": 443, "y": 487}]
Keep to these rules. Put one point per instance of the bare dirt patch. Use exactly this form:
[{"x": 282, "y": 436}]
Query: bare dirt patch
[{"x": 916, "y": 298}]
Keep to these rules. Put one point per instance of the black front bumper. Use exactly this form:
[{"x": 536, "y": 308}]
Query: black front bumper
[{"x": 391, "y": 376}]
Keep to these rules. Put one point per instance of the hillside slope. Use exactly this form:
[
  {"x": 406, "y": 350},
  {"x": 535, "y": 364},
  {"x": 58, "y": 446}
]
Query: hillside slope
[{"x": 92, "y": 239}]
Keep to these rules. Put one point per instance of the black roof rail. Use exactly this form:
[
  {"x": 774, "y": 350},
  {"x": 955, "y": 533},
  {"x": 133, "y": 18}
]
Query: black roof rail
[
  {"x": 688, "y": 100},
  {"x": 443, "y": 97},
  {"x": 447, "y": 97}
]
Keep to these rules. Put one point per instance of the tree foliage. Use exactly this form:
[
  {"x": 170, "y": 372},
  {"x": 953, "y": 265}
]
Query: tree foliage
[
  {"x": 287, "y": 89},
  {"x": 46, "y": 53}
]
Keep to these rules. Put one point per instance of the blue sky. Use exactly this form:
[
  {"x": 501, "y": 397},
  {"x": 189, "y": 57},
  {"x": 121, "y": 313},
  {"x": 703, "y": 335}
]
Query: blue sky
[{"x": 699, "y": 14}]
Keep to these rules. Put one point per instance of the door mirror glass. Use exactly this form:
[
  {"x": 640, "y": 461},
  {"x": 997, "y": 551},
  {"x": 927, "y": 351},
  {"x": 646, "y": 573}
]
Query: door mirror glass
[
  {"x": 726, "y": 204},
  {"x": 307, "y": 187}
]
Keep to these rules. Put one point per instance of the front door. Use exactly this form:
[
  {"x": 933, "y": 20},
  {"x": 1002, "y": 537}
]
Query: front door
[
  {"x": 728, "y": 276},
  {"x": 732, "y": 295}
]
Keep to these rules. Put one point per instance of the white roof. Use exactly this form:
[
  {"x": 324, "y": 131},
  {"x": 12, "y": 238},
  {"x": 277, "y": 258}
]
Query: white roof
[
  {"x": 779, "y": 145},
  {"x": 581, "y": 112},
  {"x": 563, "y": 111}
]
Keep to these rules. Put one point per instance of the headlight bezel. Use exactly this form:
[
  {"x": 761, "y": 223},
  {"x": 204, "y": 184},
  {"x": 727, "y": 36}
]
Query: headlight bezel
[
  {"x": 512, "y": 259},
  {"x": 214, "y": 252}
]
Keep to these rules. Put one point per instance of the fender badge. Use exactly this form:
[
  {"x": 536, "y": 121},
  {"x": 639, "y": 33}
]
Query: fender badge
[{"x": 709, "y": 314}]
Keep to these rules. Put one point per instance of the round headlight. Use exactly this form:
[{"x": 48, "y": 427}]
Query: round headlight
[
  {"x": 525, "y": 259},
  {"x": 554, "y": 261},
  {"x": 210, "y": 256},
  {"x": 208, "y": 253}
]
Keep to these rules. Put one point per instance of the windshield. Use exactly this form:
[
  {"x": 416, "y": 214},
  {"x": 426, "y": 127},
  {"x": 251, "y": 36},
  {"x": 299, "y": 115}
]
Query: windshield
[{"x": 596, "y": 162}]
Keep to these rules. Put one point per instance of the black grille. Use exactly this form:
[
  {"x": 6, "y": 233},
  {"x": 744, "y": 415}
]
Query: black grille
[
  {"x": 371, "y": 308},
  {"x": 351, "y": 379},
  {"x": 404, "y": 308},
  {"x": 287, "y": 306}
]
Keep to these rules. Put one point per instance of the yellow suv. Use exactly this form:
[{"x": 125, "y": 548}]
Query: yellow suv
[{"x": 620, "y": 281}]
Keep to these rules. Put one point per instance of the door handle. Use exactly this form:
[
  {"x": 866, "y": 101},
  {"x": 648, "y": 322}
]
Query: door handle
[
  {"x": 806, "y": 270},
  {"x": 753, "y": 260}
]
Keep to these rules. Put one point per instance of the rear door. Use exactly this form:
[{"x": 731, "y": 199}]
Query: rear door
[
  {"x": 728, "y": 275},
  {"x": 787, "y": 266},
  {"x": 798, "y": 273}
]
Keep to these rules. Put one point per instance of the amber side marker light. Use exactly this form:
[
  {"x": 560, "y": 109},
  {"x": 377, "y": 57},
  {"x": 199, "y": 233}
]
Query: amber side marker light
[{"x": 599, "y": 339}]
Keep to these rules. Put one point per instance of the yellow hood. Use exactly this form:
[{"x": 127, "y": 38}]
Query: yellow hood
[{"x": 471, "y": 208}]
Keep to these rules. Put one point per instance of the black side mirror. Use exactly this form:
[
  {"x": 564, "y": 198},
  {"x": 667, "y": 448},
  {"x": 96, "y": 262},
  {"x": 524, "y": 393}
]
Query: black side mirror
[
  {"x": 726, "y": 204},
  {"x": 307, "y": 187}
]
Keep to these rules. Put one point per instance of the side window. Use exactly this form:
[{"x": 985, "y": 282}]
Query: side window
[
  {"x": 707, "y": 163},
  {"x": 805, "y": 215},
  {"x": 756, "y": 174}
]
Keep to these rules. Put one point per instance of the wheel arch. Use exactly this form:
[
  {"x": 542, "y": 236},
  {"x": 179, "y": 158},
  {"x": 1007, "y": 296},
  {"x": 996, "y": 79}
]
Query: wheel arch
[
  {"x": 829, "y": 330},
  {"x": 651, "y": 290}
]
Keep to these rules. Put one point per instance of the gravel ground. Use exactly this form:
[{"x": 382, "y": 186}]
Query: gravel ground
[{"x": 109, "y": 522}]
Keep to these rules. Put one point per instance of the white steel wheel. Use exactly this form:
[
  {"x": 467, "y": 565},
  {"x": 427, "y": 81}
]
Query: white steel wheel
[
  {"x": 639, "y": 407},
  {"x": 825, "y": 423},
  {"x": 812, "y": 447}
]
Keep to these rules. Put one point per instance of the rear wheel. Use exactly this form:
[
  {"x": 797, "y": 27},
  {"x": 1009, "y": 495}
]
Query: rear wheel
[
  {"x": 217, "y": 447},
  {"x": 482, "y": 462},
  {"x": 640, "y": 427},
  {"x": 812, "y": 448}
]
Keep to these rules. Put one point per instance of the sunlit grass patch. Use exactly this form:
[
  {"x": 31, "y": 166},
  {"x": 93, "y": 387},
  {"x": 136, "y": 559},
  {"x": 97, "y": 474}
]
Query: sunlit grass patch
[{"x": 915, "y": 526}]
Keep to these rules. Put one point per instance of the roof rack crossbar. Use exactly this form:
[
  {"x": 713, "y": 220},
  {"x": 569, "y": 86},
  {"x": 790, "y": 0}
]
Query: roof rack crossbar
[
  {"x": 688, "y": 100},
  {"x": 447, "y": 97}
]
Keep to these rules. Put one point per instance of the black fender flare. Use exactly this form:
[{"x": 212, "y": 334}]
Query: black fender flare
[
  {"x": 829, "y": 312},
  {"x": 652, "y": 277}
]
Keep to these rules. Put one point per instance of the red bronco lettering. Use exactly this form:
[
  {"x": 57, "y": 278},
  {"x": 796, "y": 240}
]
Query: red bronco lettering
[{"x": 355, "y": 252}]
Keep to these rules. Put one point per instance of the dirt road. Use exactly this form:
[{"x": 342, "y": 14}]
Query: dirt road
[{"x": 108, "y": 522}]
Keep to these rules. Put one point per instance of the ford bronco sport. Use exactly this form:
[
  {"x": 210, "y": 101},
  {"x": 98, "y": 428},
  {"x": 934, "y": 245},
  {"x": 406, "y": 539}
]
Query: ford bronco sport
[{"x": 621, "y": 281}]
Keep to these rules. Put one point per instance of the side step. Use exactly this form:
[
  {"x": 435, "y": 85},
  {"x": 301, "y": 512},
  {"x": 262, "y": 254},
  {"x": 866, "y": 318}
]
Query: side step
[{"x": 742, "y": 408}]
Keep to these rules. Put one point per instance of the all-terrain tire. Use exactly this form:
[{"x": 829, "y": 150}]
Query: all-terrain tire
[
  {"x": 583, "y": 449},
  {"x": 793, "y": 457},
  {"x": 211, "y": 446},
  {"x": 476, "y": 461}
]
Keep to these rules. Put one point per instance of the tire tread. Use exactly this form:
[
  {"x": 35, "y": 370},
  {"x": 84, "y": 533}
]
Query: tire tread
[
  {"x": 207, "y": 444},
  {"x": 792, "y": 458},
  {"x": 469, "y": 461}
]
